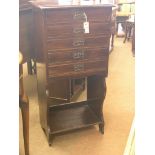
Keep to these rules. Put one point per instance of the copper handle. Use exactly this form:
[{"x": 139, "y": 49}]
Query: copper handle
[
  {"x": 78, "y": 43},
  {"x": 79, "y": 15},
  {"x": 78, "y": 30},
  {"x": 78, "y": 54},
  {"x": 78, "y": 67}
]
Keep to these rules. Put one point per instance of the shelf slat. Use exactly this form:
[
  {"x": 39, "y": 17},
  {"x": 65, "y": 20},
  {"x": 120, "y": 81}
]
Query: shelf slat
[{"x": 72, "y": 118}]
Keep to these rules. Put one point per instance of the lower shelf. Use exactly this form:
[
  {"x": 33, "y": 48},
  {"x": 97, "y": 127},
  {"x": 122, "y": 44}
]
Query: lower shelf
[{"x": 72, "y": 118}]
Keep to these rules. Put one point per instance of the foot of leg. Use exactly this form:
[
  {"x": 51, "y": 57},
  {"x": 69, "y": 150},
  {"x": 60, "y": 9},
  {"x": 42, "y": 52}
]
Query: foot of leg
[
  {"x": 101, "y": 128},
  {"x": 50, "y": 140}
]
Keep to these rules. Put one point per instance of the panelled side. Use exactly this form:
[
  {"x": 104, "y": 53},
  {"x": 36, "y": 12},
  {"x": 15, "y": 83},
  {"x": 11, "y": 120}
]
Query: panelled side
[{"x": 40, "y": 65}]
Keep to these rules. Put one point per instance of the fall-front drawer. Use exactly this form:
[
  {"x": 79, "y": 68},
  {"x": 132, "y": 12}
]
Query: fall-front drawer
[
  {"x": 77, "y": 15},
  {"x": 72, "y": 55},
  {"x": 70, "y": 30},
  {"x": 84, "y": 68},
  {"x": 96, "y": 41}
]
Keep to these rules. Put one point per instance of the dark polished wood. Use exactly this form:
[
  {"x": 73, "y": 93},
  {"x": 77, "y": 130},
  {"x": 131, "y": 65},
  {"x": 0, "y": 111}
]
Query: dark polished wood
[
  {"x": 98, "y": 84},
  {"x": 72, "y": 55},
  {"x": 65, "y": 52},
  {"x": 76, "y": 29},
  {"x": 24, "y": 106},
  {"x": 86, "y": 68}
]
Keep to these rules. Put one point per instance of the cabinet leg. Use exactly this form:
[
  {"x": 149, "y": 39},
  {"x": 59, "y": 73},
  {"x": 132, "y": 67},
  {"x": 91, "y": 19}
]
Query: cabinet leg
[
  {"x": 29, "y": 67},
  {"x": 50, "y": 137},
  {"x": 101, "y": 128},
  {"x": 101, "y": 125},
  {"x": 50, "y": 140},
  {"x": 34, "y": 66}
]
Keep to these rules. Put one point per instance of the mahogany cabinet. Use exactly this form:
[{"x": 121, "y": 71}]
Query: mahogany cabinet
[{"x": 71, "y": 42}]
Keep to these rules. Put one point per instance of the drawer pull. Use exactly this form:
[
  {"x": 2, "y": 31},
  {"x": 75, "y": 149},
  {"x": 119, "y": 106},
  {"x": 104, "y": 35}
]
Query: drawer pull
[
  {"x": 78, "y": 55},
  {"x": 78, "y": 43},
  {"x": 78, "y": 30},
  {"x": 78, "y": 67},
  {"x": 79, "y": 15}
]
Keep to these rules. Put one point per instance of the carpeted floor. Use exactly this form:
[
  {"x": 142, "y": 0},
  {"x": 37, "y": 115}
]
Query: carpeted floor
[{"x": 118, "y": 114}]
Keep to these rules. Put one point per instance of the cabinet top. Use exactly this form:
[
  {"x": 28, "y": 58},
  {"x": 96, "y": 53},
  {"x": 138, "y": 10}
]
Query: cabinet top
[{"x": 68, "y": 4}]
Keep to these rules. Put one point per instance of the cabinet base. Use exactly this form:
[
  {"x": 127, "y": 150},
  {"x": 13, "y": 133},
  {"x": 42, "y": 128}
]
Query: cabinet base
[{"x": 50, "y": 137}]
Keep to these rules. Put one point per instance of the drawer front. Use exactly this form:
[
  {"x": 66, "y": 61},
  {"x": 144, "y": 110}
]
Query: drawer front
[
  {"x": 83, "y": 68},
  {"x": 71, "y": 30},
  {"x": 98, "y": 41},
  {"x": 77, "y": 15},
  {"x": 72, "y": 55}
]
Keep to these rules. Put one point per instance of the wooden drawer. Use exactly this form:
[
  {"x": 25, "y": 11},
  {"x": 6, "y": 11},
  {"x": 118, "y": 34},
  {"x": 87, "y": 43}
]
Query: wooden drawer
[
  {"x": 71, "y": 30},
  {"x": 77, "y": 15},
  {"x": 72, "y": 55},
  {"x": 84, "y": 68},
  {"x": 98, "y": 41}
]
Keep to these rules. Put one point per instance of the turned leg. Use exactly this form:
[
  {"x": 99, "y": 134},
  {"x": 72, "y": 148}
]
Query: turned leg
[{"x": 24, "y": 105}]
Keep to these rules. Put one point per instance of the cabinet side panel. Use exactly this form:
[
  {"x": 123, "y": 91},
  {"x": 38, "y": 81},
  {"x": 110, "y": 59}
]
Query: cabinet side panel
[
  {"x": 38, "y": 34},
  {"x": 25, "y": 34},
  {"x": 40, "y": 65},
  {"x": 42, "y": 98}
]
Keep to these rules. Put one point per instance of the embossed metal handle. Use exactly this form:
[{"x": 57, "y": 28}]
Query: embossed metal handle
[
  {"x": 78, "y": 43},
  {"x": 78, "y": 15},
  {"x": 78, "y": 54},
  {"x": 78, "y": 30},
  {"x": 78, "y": 67}
]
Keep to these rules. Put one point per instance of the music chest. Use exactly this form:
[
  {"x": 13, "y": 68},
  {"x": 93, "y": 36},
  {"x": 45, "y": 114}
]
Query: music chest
[{"x": 71, "y": 42}]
